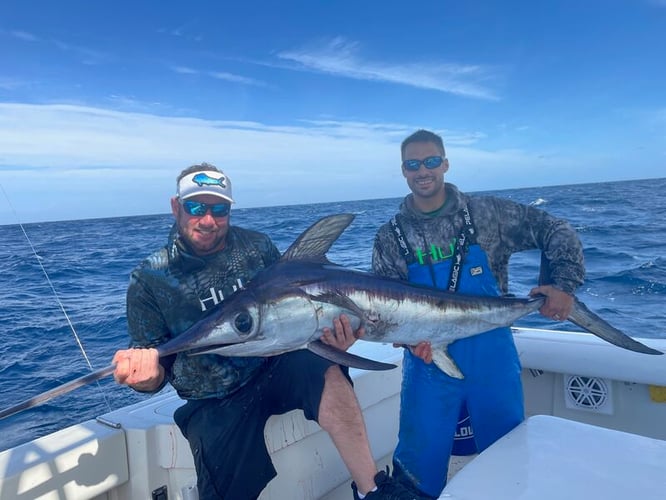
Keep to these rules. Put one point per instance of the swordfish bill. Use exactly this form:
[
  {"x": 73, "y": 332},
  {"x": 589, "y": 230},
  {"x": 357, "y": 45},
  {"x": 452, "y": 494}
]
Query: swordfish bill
[{"x": 286, "y": 306}]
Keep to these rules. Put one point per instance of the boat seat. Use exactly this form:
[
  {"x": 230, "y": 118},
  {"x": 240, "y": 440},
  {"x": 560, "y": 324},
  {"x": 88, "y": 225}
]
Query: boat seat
[{"x": 552, "y": 458}]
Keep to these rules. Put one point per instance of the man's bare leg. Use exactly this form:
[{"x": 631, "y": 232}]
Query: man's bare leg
[{"x": 340, "y": 415}]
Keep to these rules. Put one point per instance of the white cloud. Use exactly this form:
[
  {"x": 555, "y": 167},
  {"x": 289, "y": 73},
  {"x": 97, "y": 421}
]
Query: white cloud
[
  {"x": 68, "y": 161},
  {"x": 85, "y": 55},
  {"x": 184, "y": 70},
  {"x": 230, "y": 77},
  {"x": 11, "y": 83},
  {"x": 24, "y": 35},
  {"x": 341, "y": 57},
  {"x": 220, "y": 75}
]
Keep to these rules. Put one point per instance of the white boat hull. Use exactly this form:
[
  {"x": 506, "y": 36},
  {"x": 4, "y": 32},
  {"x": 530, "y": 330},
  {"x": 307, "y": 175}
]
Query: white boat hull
[{"x": 137, "y": 452}]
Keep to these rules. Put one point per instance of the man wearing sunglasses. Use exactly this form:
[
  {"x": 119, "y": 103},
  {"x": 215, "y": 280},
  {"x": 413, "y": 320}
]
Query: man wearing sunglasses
[
  {"x": 229, "y": 399},
  {"x": 444, "y": 238}
]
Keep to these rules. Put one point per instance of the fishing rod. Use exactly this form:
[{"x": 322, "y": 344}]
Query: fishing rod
[{"x": 69, "y": 386}]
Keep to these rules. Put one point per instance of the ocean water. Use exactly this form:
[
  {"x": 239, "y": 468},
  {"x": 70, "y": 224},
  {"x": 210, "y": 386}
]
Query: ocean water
[{"x": 622, "y": 226}]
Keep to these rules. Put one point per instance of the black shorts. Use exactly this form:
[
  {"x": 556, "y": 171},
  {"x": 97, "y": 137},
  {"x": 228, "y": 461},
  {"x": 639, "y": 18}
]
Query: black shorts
[{"x": 226, "y": 436}]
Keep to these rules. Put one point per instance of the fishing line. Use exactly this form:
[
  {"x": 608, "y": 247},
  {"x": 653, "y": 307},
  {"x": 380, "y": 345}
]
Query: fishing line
[{"x": 55, "y": 293}]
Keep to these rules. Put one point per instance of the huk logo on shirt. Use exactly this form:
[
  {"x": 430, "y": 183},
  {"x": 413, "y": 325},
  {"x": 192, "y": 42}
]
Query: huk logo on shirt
[
  {"x": 216, "y": 296},
  {"x": 435, "y": 253}
]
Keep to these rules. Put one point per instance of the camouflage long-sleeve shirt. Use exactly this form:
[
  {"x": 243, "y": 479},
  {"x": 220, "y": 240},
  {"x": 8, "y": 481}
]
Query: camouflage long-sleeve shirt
[
  {"x": 172, "y": 289},
  {"x": 503, "y": 227}
]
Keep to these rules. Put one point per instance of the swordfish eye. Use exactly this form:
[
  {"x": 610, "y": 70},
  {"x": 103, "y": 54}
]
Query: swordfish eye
[{"x": 243, "y": 323}]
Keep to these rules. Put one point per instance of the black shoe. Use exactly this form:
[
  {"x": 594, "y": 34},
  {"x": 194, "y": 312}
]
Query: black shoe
[{"x": 387, "y": 489}]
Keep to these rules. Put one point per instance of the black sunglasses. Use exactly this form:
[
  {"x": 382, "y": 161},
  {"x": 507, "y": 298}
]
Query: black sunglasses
[
  {"x": 430, "y": 162},
  {"x": 198, "y": 209}
]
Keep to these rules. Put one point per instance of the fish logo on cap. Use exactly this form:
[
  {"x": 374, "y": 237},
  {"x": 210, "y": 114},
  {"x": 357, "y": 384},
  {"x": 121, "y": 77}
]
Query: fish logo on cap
[{"x": 206, "y": 180}]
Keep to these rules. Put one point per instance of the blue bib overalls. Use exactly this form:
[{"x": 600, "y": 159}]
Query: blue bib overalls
[{"x": 431, "y": 400}]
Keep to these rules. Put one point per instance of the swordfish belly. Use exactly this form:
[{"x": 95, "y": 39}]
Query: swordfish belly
[{"x": 397, "y": 312}]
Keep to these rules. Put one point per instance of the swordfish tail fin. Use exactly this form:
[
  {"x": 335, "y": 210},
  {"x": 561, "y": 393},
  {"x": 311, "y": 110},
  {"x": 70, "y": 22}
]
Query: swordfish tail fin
[
  {"x": 58, "y": 391},
  {"x": 586, "y": 319}
]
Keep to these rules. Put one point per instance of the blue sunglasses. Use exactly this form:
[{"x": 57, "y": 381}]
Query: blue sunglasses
[
  {"x": 198, "y": 209},
  {"x": 430, "y": 162}
]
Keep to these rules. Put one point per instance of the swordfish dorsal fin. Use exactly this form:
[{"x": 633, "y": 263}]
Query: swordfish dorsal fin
[{"x": 315, "y": 241}]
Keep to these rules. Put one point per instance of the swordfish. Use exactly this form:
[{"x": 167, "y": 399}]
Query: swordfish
[{"x": 286, "y": 306}]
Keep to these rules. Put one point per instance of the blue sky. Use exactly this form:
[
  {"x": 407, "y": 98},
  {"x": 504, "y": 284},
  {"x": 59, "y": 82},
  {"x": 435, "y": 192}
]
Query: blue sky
[{"x": 103, "y": 103}]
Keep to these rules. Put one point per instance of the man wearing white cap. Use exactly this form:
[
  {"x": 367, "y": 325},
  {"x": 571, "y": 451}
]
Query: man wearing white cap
[{"x": 229, "y": 399}]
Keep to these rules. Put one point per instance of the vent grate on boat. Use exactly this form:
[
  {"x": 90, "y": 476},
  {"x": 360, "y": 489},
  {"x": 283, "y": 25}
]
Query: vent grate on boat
[{"x": 588, "y": 394}]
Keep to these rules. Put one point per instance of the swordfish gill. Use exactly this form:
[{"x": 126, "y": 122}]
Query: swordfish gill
[{"x": 286, "y": 306}]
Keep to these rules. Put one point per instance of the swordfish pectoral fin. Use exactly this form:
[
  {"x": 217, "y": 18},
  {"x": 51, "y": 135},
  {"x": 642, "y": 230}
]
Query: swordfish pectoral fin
[
  {"x": 441, "y": 358},
  {"x": 586, "y": 319},
  {"x": 344, "y": 303},
  {"x": 346, "y": 358}
]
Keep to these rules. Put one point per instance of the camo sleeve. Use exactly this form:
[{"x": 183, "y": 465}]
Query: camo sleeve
[
  {"x": 147, "y": 326},
  {"x": 506, "y": 227},
  {"x": 386, "y": 259}
]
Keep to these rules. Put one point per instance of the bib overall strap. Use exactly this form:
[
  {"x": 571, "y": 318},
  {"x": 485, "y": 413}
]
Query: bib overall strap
[
  {"x": 403, "y": 244},
  {"x": 467, "y": 237},
  {"x": 406, "y": 249}
]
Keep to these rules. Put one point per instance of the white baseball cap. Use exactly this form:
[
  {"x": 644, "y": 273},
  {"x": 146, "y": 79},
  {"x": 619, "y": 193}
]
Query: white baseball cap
[{"x": 205, "y": 182}]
